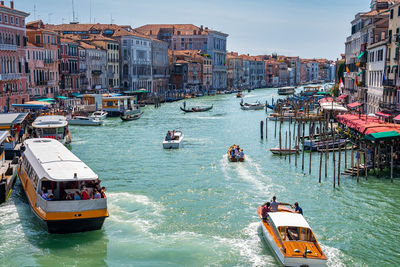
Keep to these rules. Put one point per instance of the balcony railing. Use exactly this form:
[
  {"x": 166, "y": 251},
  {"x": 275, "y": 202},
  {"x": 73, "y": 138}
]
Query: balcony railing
[
  {"x": 387, "y": 106},
  {"x": 48, "y": 61},
  {"x": 97, "y": 72},
  {"x": 9, "y": 76},
  {"x": 8, "y": 47},
  {"x": 389, "y": 82}
]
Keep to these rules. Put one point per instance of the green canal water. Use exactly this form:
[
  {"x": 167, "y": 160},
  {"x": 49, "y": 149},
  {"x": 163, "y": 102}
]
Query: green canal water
[{"x": 190, "y": 207}]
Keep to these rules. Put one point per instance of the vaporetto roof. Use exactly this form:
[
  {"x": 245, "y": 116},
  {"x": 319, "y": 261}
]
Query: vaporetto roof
[
  {"x": 288, "y": 219},
  {"x": 51, "y": 121},
  {"x": 53, "y": 161}
]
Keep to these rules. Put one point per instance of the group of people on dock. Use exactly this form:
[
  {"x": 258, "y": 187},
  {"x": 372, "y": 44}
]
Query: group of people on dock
[
  {"x": 170, "y": 136},
  {"x": 273, "y": 207},
  {"x": 236, "y": 152},
  {"x": 95, "y": 192}
]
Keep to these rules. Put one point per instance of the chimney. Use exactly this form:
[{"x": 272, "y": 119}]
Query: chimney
[{"x": 12, "y": 4}]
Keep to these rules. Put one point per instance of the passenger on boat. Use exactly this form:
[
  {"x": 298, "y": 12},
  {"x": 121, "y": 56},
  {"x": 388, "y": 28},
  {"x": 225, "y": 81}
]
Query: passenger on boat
[
  {"x": 103, "y": 192},
  {"x": 232, "y": 152},
  {"x": 85, "y": 193},
  {"x": 77, "y": 196},
  {"x": 275, "y": 204},
  {"x": 168, "y": 137},
  {"x": 96, "y": 194},
  {"x": 69, "y": 196},
  {"x": 241, "y": 154},
  {"x": 50, "y": 197},
  {"x": 297, "y": 208},
  {"x": 237, "y": 154},
  {"x": 264, "y": 211}
]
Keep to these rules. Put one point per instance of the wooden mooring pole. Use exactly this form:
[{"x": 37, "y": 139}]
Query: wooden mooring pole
[
  {"x": 266, "y": 128},
  {"x": 391, "y": 163},
  {"x": 340, "y": 159},
  {"x": 262, "y": 129}
]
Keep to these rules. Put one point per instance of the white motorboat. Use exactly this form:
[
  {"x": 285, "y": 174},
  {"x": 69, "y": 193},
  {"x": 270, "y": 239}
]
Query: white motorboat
[
  {"x": 101, "y": 115},
  {"x": 291, "y": 238},
  {"x": 286, "y": 90},
  {"x": 54, "y": 127},
  {"x": 175, "y": 143},
  {"x": 84, "y": 121},
  {"x": 252, "y": 106}
]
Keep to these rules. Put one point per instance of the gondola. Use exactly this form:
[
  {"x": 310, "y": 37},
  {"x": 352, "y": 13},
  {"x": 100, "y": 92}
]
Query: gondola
[
  {"x": 131, "y": 117},
  {"x": 197, "y": 109}
]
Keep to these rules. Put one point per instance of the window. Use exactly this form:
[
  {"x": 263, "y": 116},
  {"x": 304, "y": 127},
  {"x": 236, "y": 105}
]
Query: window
[
  {"x": 398, "y": 11},
  {"x": 391, "y": 14},
  {"x": 37, "y": 39},
  {"x": 17, "y": 21},
  {"x": 1, "y": 17},
  {"x": 5, "y": 18},
  {"x": 12, "y": 20}
]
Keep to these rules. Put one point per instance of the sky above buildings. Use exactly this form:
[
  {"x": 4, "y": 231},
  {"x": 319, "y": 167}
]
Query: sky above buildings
[{"x": 305, "y": 28}]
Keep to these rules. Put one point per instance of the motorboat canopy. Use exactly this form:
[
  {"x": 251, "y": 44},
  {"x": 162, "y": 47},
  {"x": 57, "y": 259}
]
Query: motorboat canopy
[{"x": 288, "y": 219}]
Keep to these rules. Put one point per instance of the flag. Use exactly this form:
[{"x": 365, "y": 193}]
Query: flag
[
  {"x": 341, "y": 85},
  {"x": 383, "y": 78},
  {"x": 347, "y": 69},
  {"x": 356, "y": 81}
]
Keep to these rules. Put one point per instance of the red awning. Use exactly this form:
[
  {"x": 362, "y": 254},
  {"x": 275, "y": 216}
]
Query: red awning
[
  {"x": 326, "y": 99},
  {"x": 397, "y": 118},
  {"x": 354, "y": 105},
  {"x": 381, "y": 114},
  {"x": 341, "y": 97}
]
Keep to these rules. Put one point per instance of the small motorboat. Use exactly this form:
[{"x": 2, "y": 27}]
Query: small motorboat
[
  {"x": 291, "y": 239},
  {"x": 176, "y": 141},
  {"x": 284, "y": 151},
  {"x": 197, "y": 109},
  {"x": 252, "y": 106},
  {"x": 286, "y": 90},
  {"x": 239, "y": 95},
  {"x": 232, "y": 158},
  {"x": 101, "y": 115},
  {"x": 85, "y": 121},
  {"x": 131, "y": 117}
]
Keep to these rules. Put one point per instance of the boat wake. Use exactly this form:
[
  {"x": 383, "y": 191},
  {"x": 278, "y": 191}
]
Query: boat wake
[
  {"x": 335, "y": 256},
  {"x": 249, "y": 246},
  {"x": 137, "y": 210}
]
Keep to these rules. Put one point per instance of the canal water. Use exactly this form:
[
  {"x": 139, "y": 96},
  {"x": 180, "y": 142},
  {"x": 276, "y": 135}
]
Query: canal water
[{"x": 191, "y": 207}]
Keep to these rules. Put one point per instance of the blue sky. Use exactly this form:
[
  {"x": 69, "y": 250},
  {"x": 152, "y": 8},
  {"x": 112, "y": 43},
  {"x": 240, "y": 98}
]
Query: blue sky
[{"x": 307, "y": 28}]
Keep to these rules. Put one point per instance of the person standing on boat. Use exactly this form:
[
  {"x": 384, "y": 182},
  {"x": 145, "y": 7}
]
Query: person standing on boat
[
  {"x": 266, "y": 207},
  {"x": 297, "y": 208},
  {"x": 275, "y": 204},
  {"x": 184, "y": 104}
]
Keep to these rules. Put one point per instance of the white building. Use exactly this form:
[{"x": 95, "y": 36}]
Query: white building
[
  {"x": 375, "y": 73},
  {"x": 135, "y": 60}
]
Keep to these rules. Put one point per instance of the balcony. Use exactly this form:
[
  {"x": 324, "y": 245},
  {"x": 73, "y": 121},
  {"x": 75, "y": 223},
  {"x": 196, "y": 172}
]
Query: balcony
[
  {"x": 97, "y": 72},
  {"x": 8, "y": 47},
  {"x": 389, "y": 83},
  {"x": 387, "y": 106},
  {"x": 48, "y": 61},
  {"x": 9, "y": 76}
]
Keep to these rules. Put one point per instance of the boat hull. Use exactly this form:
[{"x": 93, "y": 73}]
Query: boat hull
[
  {"x": 85, "y": 123},
  {"x": 233, "y": 159},
  {"x": 174, "y": 144},
  {"x": 278, "y": 151},
  {"x": 289, "y": 261},
  {"x": 74, "y": 226}
]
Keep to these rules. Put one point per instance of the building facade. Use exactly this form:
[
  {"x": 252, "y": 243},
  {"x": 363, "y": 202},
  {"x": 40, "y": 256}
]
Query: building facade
[
  {"x": 92, "y": 68},
  {"x": 13, "y": 68},
  {"x": 69, "y": 66},
  {"x": 160, "y": 71}
]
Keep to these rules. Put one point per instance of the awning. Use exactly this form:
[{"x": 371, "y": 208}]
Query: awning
[
  {"x": 397, "y": 118},
  {"x": 61, "y": 97},
  {"x": 360, "y": 55},
  {"x": 354, "y": 105},
  {"x": 361, "y": 72},
  {"x": 46, "y": 100},
  {"x": 322, "y": 93},
  {"x": 41, "y": 103},
  {"x": 76, "y": 94},
  {"x": 382, "y": 136},
  {"x": 381, "y": 114},
  {"x": 27, "y": 106},
  {"x": 341, "y": 97}
]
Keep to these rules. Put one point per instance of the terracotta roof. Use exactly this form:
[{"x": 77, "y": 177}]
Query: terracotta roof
[
  {"x": 184, "y": 29},
  {"x": 87, "y": 46},
  {"x": 15, "y": 10}
]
